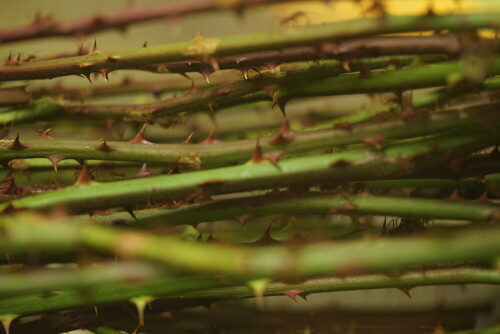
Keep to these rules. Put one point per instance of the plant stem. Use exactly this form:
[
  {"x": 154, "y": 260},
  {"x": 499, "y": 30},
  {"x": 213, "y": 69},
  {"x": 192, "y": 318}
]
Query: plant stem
[
  {"x": 45, "y": 280},
  {"x": 311, "y": 203},
  {"x": 31, "y": 304},
  {"x": 343, "y": 258},
  {"x": 395, "y": 161},
  {"x": 227, "y": 153},
  {"x": 204, "y": 48},
  {"x": 45, "y": 27}
]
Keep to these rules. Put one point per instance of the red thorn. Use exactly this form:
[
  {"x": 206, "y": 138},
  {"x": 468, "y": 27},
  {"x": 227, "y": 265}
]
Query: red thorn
[
  {"x": 188, "y": 139},
  {"x": 139, "y": 137},
  {"x": 271, "y": 90},
  {"x": 54, "y": 159},
  {"x": 83, "y": 178},
  {"x": 143, "y": 172},
  {"x": 293, "y": 293},
  {"x": 214, "y": 63},
  {"x": 205, "y": 74},
  {"x": 17, "y": 145},
  {"x": 266, "y": 236},
  {"x": 283, "y": 135},
  {"x": 45, "y": 134},
  {"x": 211, "y": 138},
  {"x": 272, "y": 157},
  {"x": 340, "y": 163},
  {"x": 104, "y": 74},
  {"x": 105, "y": 147},
  {"x": 376, "y": 142}
]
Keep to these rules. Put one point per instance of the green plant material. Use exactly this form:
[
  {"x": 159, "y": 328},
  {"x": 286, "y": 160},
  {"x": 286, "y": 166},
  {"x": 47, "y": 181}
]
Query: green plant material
[
  {"x": 34, "y": 303},
  {"x": 311, "y": 203},
  {"x": 228, "y": 153},
  {"x": 405, "y": 281},
  {"x": 204, "y": 48},
  {"x": 396, "y": 160},
  {"x": 46, "y": 280},
  {"x": 343, "y": 258}
]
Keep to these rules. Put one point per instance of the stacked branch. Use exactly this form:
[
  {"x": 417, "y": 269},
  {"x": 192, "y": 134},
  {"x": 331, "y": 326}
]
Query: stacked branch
[{"x": 151, "y": 234}]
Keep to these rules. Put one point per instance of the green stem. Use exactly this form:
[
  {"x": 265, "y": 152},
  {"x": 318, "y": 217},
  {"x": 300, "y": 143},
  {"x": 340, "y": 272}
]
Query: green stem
[
  {"x": 31, "y": 304},
  {"x": 312, "y": 203},
  {"x": 344, "y": 258},
  {"x": 48, "y": 279},
  {"x": 203, "y": 48},
  {"x": 397, "y": 160},
  {"x": 227, "y": 153}
]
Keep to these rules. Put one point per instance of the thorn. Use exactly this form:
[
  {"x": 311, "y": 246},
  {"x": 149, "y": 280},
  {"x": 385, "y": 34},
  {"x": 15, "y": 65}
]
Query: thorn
[
  {"x": 376, "y": 142},
  {"x": 214, "y": 63},
  {"x": 211, "y": 138},
  {"x": 54, "y": 159},
  {"x": 94, "y": 48},
  {"x": 143, "y": 172},
  {"x": 293, "y": 294},
  {"x": 105, "y": 73},
  {"x": 6, "y": 320},
  {"x": 139, "y": 137},
  {"x": 205, "y": 74},
  {"x": 244, "y": 72},
  {"x": 17, "y": 145},
  {"x": 45, "y": 134},
  {"x": 281, "y": 103},
  {"x": 95, "y": 310},
  {"x": 282, "y": 136},
  {"x": 131, "y": 213},
  {"x": 188, "y": 139},
  {"x": 83, "y": 178},
  {"x": 405, "y": 290},
  {"x": 105, "y": 147},
  {"x": 266, "y": 236},
  {"x": 258, "y": 287},
  {"x": 241, "y": 219},
  {"x": 140, "y": 304},
  {"x": 87, "y": 75},
  {"x": 271, "y": 90},
  {"x": 145, "y": 44}
]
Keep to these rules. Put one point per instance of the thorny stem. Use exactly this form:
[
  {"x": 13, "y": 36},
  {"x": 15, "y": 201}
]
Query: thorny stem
[
  {"x": 45, "y": 27},
  {"x": 241, "y": 91},
  {"x": 396, "y": 160},
  {"x": 310, "y": 203},
  {"x": 344, "y": 258},
  {"x": 369, "y": 47},
  {"x": 35, "y": 303},
  {"x": 220, "y": 154},
  {"x": 204, "y": 48}
]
